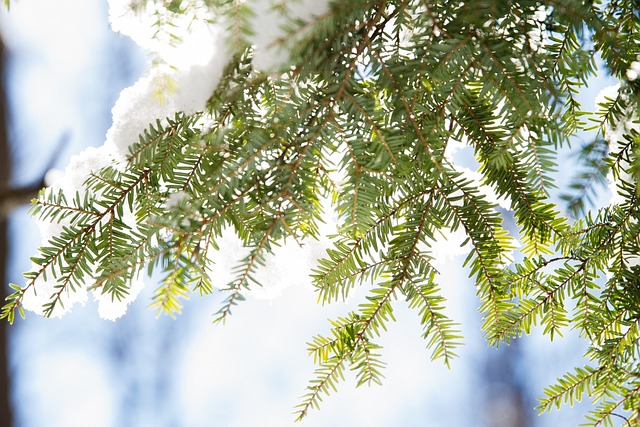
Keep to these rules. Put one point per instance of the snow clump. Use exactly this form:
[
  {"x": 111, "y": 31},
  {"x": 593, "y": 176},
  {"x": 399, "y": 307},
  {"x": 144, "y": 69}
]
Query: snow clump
[{"x": 269, "y": 24}]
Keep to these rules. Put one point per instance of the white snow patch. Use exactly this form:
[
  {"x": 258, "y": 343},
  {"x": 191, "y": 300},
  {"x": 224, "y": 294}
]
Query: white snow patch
[
  {"x": 80, "y": 168},
  {"x": 448, "y": 246},
  {"x": 633, "y": 71},
  {"x": 175, "y": 199},
  {"x": 279, "y": 272},
  {"x": 269, "y": 22},
  {"x": 606, "y": 94},
  {"x": 177, "y": 39},
  {"x": 166, "y": 91},
  {"x": 541, "y": 14},
  {"x": 112, "y": 309},
  {"x": 41, "y": 292}
]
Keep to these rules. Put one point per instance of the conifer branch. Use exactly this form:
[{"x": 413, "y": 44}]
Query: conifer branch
[{"x": 384, "y": 93}]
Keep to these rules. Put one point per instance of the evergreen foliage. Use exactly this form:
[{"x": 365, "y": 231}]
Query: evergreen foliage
[{"x": 378, "y": 91}]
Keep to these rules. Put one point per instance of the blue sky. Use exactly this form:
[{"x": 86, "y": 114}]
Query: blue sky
[{"x": 141, "y": 371}]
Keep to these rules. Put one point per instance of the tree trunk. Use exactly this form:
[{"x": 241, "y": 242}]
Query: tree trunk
[{"x": 6, "y": 416}]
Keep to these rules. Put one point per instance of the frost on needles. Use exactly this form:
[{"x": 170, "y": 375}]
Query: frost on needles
[{"x": 265, "y": 118}]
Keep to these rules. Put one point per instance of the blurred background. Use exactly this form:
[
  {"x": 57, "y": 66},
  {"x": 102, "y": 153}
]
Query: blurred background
[{"x": 63, "y": 69}]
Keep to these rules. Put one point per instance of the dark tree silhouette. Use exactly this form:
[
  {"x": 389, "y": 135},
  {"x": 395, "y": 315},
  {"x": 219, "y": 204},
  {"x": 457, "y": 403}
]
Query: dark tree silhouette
[
  {"x": 6, "y": 418},
  {"x": 10, "y": 198}
]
